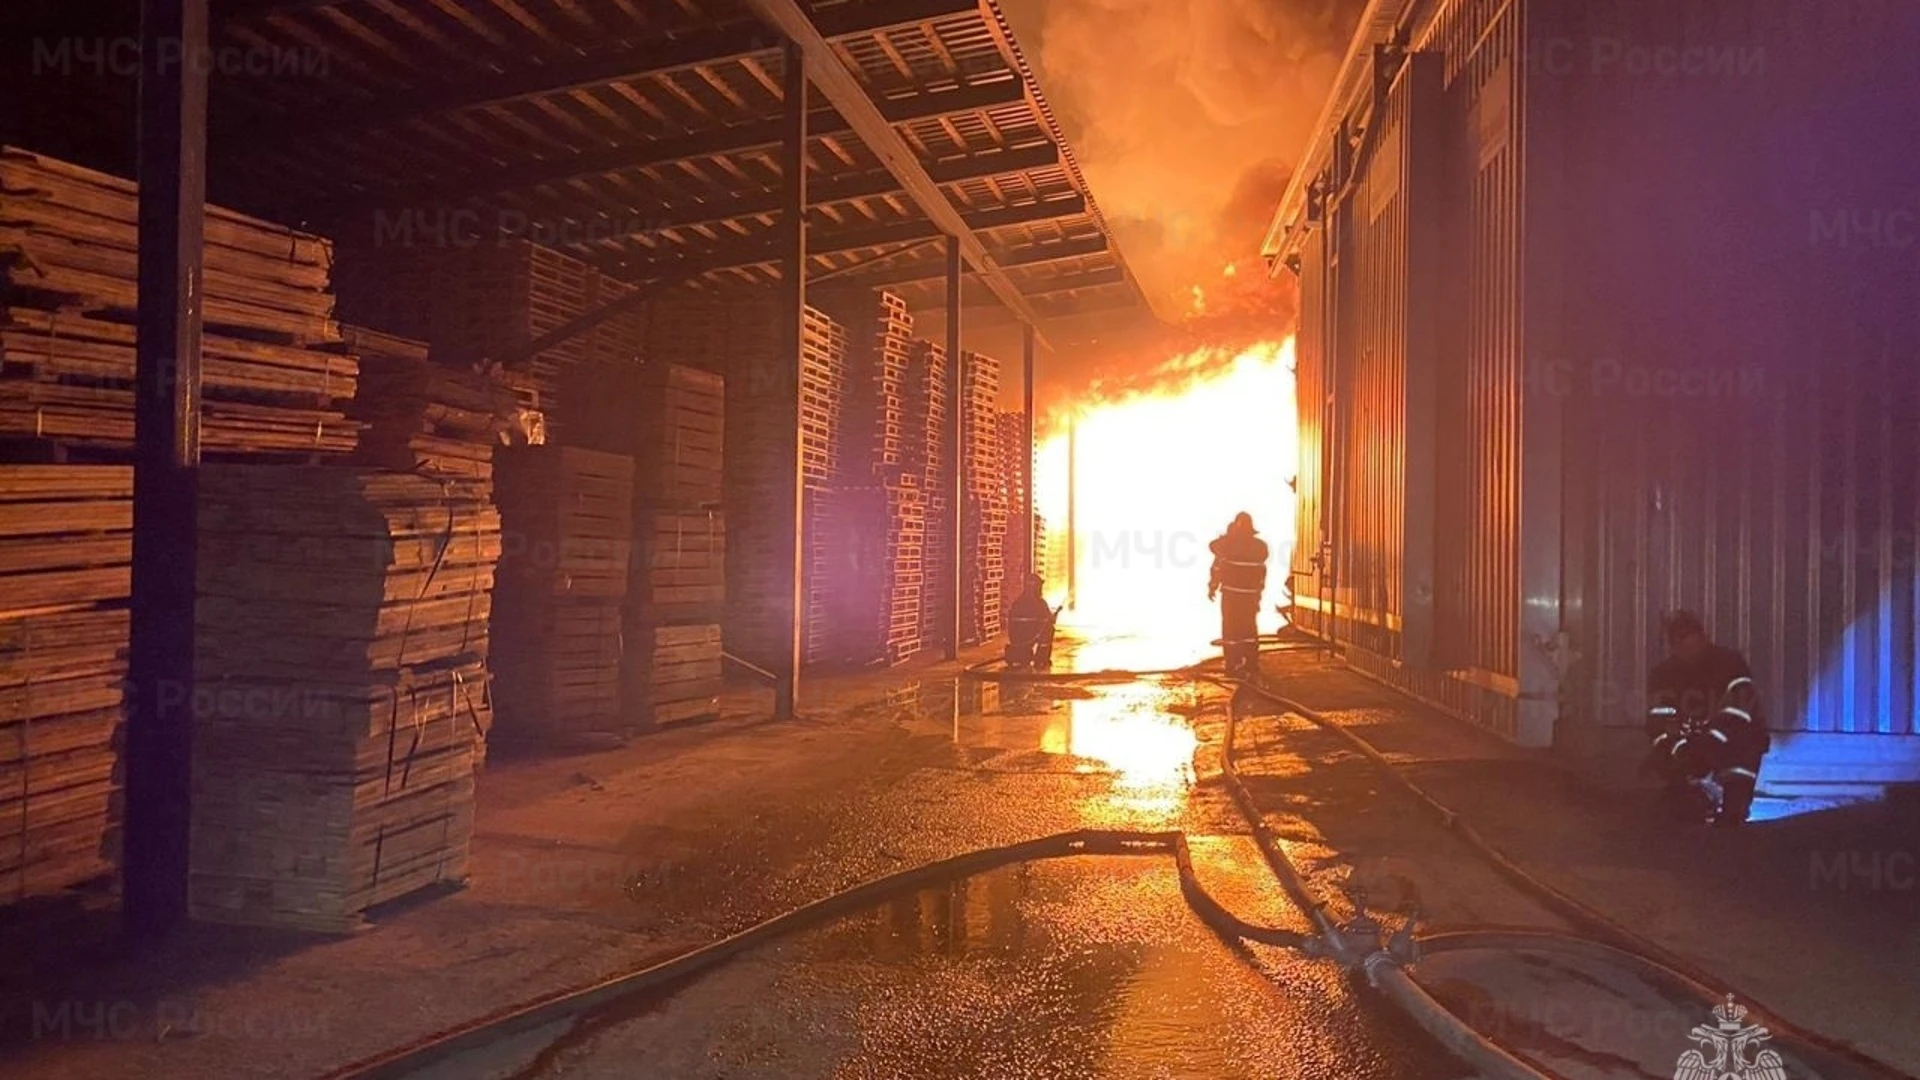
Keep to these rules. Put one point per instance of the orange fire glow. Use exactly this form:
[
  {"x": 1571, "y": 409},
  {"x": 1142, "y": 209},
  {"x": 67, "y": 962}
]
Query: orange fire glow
[{"x": 1159, "y": 474}]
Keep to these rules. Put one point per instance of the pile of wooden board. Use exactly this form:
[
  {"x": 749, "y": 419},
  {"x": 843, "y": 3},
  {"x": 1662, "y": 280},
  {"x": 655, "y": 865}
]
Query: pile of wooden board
[
  {"x": 477, "y": 299},
  {"x": 567, "y": 520},
  {"x": 66, "y": 547},
  {"x": 670, "y": 418},
  {"x": 274, "y": 380},
  {"x": 340, "y": 691},
  {"x": 983, "y": 474},
  {"x": 432, "y": 419},
  {"x": 929, "y": 436}
]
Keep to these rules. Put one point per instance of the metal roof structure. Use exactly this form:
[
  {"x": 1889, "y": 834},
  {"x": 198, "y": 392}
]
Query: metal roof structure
[{"x": 644, "y": 137}]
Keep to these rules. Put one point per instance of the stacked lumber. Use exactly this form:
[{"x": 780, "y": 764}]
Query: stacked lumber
[
  {"x": 567, "y": 518},
  {"x": 983, "y": 474},
  {"x": 66, "y": 547},
  {"x": 340, "y": 691},
  {"x": 670, "y": 417},
  {"x": 424, "y": 417},
  {"x": 927, "y": 425},
  {"x": 274, "y": 382},
  {"x": 478, "y": 299}
]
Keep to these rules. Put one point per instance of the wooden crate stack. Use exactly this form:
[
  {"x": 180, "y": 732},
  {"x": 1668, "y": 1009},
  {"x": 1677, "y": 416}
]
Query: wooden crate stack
[
  {"x": 567, "y": 519},
  {"x": 984, "y": 475},
  {"x": 433, "y": 419},
  {"x": 340, "y": 690},
  {"x": 274, "y": 380},
  {"x": 670, "y": 418},
  {"x": 927, "y": 420},
  {"x": 66, "y": 548}
]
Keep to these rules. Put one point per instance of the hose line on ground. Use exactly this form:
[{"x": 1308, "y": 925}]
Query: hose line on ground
[
  {"x": 1647, "y": 953},
  {"x": 569, "y": 1005}
]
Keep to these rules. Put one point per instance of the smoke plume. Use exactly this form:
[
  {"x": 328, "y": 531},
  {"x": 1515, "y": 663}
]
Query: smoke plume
[{"x": 1186, "y": 116}]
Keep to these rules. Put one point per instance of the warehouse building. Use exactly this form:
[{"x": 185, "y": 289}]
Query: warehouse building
[
  {"x": 1608, "y": 310},
  {"x": 502, "y": 375}
]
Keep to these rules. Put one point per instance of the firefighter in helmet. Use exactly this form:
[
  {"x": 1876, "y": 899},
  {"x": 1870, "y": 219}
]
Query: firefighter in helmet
[
  {"x": 1705, "y": 722},
  {"x": 1030, "y": 628},
  {"x": 1239, "y": 577}
]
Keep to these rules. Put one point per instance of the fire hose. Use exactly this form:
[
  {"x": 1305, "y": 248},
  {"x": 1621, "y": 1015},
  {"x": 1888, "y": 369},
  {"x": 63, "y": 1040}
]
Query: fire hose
[
  {"x": 1362, "y": 947},
  {"x": 1384, "y": 969}
]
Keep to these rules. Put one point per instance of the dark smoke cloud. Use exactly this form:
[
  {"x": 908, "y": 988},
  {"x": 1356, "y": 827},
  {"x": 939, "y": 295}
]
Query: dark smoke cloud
[{"x": 1186, "y": 116}]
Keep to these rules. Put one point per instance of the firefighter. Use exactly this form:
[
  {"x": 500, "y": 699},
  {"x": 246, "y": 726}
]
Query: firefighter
[
  {"x": 1705, "y": 722},
  {"x": 1030, "y": 628},
  {"x": 1240, "y": 573}
]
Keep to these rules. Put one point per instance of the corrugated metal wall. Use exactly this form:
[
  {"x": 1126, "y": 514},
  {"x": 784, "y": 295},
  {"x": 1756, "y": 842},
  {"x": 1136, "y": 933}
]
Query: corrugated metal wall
[
  {"x": 1743, "y": 350},
  {"x": 1310, "y": 396},
  {"x": 1680, "y": 367}
]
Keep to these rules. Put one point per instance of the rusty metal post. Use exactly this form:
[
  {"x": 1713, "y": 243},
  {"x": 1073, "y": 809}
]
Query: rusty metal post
[
  {"x": 166, "y": 431},
  {"x": 787, "y": 378},
  {"x": 956, "y": 427}
]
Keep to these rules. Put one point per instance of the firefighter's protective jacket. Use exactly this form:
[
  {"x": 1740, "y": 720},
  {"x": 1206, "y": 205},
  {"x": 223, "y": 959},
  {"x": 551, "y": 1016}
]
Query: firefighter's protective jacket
[
  {"x": 1239, "y": 565},
  {"x": 1029, "y": 618},
  {"x": 1711, "y": 699}
]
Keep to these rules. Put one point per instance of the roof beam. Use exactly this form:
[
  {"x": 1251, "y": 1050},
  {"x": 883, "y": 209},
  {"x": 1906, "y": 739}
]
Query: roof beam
[
  {"x": 830, "y": 75},
  {"x": 735, "y": 139},
  {"x": 820, "y": 192},
  {"x": 1031, "y": 255},
  {"x": 655, "y": 56},
  {"x": 756, "y": 250}
]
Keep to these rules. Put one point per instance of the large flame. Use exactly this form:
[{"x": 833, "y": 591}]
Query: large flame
[{"x": 1159, "y": 473}]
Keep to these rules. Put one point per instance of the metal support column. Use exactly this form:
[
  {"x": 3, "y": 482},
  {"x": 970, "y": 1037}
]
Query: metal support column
[
  {"x": 1073, "y": 531},
  {"x": 166, "y": 430},
  {"x": 956, "y": 427},
  {"x": 1027, "y": 444},
  {"x": 786, "y": 378}
]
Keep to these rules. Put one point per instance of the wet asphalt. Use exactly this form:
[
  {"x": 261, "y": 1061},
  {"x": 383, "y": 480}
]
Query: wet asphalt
[{"x": 1088, "y": 967}]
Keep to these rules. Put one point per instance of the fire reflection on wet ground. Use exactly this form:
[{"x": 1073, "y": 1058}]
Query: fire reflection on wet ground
[{"x": 1091, "y": 967}]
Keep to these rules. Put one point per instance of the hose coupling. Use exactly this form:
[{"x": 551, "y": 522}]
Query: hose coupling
[{"x": 1377, "y": 962}]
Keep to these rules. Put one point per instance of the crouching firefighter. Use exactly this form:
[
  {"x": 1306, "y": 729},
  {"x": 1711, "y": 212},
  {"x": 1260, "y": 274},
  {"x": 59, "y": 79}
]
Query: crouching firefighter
[
  {"x": 1239, "y": 577},
  {"x": 1706, "y": 725},
  {"x": 1030, "y": 625}
]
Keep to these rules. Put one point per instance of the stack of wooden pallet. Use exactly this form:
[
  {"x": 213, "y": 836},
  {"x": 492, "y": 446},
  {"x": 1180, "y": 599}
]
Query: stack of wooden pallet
[
  {"x": 567, "y": 519},
  {"x": 432, "y": 419},
  {"x": 983, "y": 473},
  {"x": 1016, "y": 461},
  {"x": 670, "y": 418},
  {"x": 759, "y": 438},
  {"x": 340, "y": 689},
  {"x": 928, "y": 438},
  {"x": 66, "y": 545},
  {"x": 274, "y": 381},
  {"x": 874, "y": 535}
]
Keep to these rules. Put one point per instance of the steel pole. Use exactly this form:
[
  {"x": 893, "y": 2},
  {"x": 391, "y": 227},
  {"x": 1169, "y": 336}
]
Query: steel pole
[
  {"x": 166, "y": 433},
  {"x": 956, "y": 428},
  {"x": 787, "y": 377}
]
